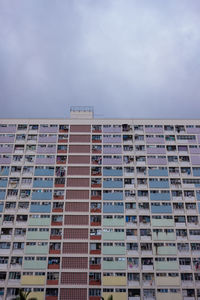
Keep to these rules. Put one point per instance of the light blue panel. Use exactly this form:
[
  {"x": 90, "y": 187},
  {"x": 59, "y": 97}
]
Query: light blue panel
[
  {"x": 159, "y": 196},
  {"x": 2, "y": 195},
  {"x": 113, "y": 209},
  {"x": 43, "y": 183},
  {"x": 196, "y": 172},
  {"x": 4, "y": 172},
  {"x": 199, "y": 207},
  {"x": 161, "y": 209},
  {"x": 1, "y": 207},
  {"x": 198, "y": 196},
  {"x": 3, "y": 183},
  {"x": 112, "y": 172},
  {"x": 44, "y": 172},
  {"x": 40, "y": 208},
  {"x": 113, "y": 184},
  {"x": 159, "y": 184},
  {"x": 158, "y": 173},
  {"x": 41, "y": 196},
  {"x": 112, "y": 196}
]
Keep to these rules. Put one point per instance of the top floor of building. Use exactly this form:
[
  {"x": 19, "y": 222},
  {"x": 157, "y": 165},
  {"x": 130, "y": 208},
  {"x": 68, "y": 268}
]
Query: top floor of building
[{"x": 82, "y": 120}]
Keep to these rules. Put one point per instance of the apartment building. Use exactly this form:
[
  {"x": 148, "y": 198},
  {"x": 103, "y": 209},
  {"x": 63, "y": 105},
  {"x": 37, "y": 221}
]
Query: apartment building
[{"x": 97, "y": 207}]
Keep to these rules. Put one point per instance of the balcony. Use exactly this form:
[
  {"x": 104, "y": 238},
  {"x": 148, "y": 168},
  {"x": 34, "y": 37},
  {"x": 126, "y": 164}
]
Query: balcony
[
  {"x": 5, "y": 160},
  {"x": 39, "y": 221},
  {"x": 42, "y": 183},
  {"x": 40, "y": 208},
  {"x": 112, "y": 150},
  {"x": 167, "y": 281},
  {"x": 47, "y": 139},
  {"x": 7, "y": 139},
  {"x": 3, "y": 183},
  {"x": 48, "y": 129},
  {"x": 114, "y": 280},
  {"x": 41, "y": 195},
  {"x": 114, "y": 250},
  {"x": 113, "y": 184},
  {"x": 95, "y": 298},
  {"x": 2, "y": 195},
  {"x": 161, "y": 209},
  {"x": 36, "y": 249},
  {"x": 166, "y": 266},
  {"x": 4, "y": 171},
  {"x": 112, "y": 140},
  {"x": 33, "y": 280},
  {"x": 156, "y": 150},
  {"x": 113, "y": 196},
  {"x": 113, "y": 236},
  {"x": 37, "y": 235},
  {"x": 95, "y": 267},
  {"x": 53, "y": 266},
  {"x": 196, "y": 172},
  {"x": 35, "y": 265},
  {"x": 159, "y": 184},
  {"x": 165, "y": 250},
  {"x": 115, "y": 222},
  {"x": 162, "y": 222},
  {"x": 156, "y": 161},
  {"x": 46, "y": 150},
  {"x": 155, "y": 140},
  {"x": 116, "y": 296},
  {"x": 114, "y": 265},
  {"x": 44, "y": 172},
  {"x": 164, "y": 236},
  {"x": 45, "y": 160},
  {"x": 112, "y": 161},
  {"x": 94, "y": 282},
  {"x": 160, "y": 196},
  {"x": 1, "y": 207},
  {"x": 167, "y": 296},
  {"x": 113, "y": 209}
]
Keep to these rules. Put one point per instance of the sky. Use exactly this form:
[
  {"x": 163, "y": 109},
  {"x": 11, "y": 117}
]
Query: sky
[{"x": 126, "y": 58}]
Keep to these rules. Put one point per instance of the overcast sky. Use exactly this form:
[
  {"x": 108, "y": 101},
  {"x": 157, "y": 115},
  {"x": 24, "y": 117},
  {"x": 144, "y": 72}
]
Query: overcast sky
[{"x": 127, "y": 58}]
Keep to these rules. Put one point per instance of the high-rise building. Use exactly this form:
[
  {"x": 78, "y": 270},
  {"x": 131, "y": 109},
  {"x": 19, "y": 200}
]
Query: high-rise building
[{"x": 96, "y": 207}]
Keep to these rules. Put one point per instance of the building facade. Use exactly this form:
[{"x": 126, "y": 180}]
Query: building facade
[{"x": 96, "y": 207}]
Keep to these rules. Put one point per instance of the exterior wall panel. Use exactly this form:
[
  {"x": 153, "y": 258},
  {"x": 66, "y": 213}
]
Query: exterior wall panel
[
  {"x": 79, "y": 149},
  {"x": 78, "y": 182},
  {"x": 75, "y": 248},
  {"x": 73, "y": 233},
  {"x": 77, "y": 194},
  {"x": 78, "y": 171},
  {"x": 78, "y": 159},
  {"x": 74, "y": 262},
  {"x": 76, "y": 206},
  {"x": 78, "y": 138}
]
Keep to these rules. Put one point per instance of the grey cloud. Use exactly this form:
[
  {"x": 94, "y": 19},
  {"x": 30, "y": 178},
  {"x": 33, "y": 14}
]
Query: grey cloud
[{"x": 126, "y": 58}]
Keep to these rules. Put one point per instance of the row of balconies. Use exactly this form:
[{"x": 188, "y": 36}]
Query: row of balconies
[
  {"x": 117, "y": 128},
  {"x": 98, "y": 149},
  {"x": 132, "y": 280},
  {"x": 48, "y": 194},
  {"x": 118, "y": 294},
  {"x": 109, "y": 137},
  {"x": 97, "y": 171},
  {"x": 118, "y": 221},
  {"x": 98, "y": 234},
  {"x": 95, "y": 182},
  {"x": 41, "y": 127},
  {"x": 99, "y": 160}
]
